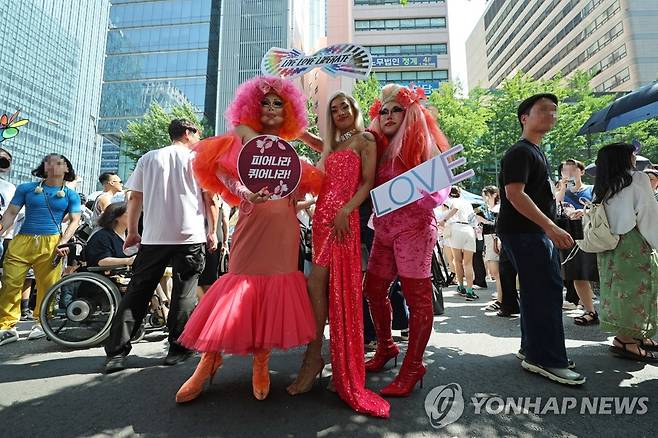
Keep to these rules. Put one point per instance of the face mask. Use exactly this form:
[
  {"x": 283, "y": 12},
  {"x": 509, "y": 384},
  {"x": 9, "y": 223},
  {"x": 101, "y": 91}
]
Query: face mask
[{"x": 4, "y": 164}]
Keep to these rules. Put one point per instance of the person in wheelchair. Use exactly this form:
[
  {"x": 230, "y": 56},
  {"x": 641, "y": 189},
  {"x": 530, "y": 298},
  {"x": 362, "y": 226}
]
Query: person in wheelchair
[{"x": 105, "y": 247}]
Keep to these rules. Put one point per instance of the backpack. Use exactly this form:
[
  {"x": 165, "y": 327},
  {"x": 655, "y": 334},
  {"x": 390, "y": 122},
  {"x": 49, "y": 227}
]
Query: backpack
[{"x": 597, "y": 236}]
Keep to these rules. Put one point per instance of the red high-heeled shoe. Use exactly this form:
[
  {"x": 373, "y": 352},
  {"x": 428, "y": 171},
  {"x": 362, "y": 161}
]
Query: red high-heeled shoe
[
  {"x": 205, "y": 372},
  {"x": 376, "y": 291}
]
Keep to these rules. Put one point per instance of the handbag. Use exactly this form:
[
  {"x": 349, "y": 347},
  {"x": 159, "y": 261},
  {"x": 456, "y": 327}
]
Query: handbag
[
  {"x": 597, "y": 236},
  {"x": 572, "y": 226}
]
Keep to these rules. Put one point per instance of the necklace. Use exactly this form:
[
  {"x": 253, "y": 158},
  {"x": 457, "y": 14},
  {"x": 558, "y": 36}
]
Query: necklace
[{"x": 346, "y": 136}]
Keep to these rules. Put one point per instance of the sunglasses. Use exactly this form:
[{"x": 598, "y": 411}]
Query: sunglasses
[
  {"x": 385, "y": 111},
  {"x": 192, "y": 130},
  {"x": 271, "y": 104}
]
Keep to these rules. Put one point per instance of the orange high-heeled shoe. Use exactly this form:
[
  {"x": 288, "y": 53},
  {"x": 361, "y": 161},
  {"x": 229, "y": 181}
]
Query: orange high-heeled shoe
[
  {"x": 260, "y": 380},
  {"x": 205, "y": 371}
]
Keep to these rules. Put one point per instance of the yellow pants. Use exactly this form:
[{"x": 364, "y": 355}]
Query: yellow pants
[{"x": 26, "y": 251}]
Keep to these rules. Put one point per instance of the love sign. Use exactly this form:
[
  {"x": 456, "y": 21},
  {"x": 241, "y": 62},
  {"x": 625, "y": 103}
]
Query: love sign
[
  {"x": 271, "y": 162},
  {"x": 340, "y": 59},
  {"x": 432, "y": 175}
]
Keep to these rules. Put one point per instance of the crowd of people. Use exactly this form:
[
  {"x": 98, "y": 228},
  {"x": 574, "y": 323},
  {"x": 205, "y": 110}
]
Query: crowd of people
[{"x": 522, "y": 235}]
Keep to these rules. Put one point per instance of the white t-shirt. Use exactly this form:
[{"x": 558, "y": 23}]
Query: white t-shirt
[
  {"x": 173, "y": 201},
  {"x": 7, "y": 191},
  {"x": 464, "y": 208}
]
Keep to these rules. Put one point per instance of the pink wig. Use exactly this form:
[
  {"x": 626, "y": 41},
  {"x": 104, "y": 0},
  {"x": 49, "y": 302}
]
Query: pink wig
[
  {"x": 419, "y": 135},
  {"x": 246, "y": 108}
]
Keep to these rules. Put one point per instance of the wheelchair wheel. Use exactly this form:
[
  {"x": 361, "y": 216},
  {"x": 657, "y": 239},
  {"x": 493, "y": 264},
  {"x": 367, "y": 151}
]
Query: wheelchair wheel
[{"x": 78, "y": 310}]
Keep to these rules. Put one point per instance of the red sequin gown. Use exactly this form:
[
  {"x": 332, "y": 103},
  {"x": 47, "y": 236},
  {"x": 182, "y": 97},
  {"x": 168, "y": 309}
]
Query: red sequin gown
[{"x": 343, "y": 174}]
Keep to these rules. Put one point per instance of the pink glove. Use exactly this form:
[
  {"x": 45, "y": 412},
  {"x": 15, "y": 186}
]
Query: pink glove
[{"x": 430, "y": 201}]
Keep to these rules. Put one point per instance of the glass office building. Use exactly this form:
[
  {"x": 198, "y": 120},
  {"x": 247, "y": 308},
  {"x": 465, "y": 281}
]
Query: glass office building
[
  {"x": 51, "y": 63},
  {"x": 163, "y": 51},
  {"x": 249, "y": 29}
]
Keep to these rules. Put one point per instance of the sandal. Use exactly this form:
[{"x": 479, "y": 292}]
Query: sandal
[
  {"x": 647, "y": 344},
  {"x": 587, "y": 318},
  {"x": 625, "y": 353}
]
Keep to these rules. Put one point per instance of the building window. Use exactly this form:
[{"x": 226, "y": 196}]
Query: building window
[
  {"x": 391, "y": 2},
  {"x": 409, "y": 49},
  {"x": 614, "y": 81},
  {"x": 403, "y": 24}
]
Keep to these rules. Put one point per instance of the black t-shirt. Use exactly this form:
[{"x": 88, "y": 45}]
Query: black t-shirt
[
  {"x": 103, "y": 243},
  {"x": 524, "y": 163}
]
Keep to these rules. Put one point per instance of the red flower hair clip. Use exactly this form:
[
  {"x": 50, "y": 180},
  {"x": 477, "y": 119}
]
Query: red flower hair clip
[
  {"x": 408, "y": 96},
  {"x": 375, "y": 108}
]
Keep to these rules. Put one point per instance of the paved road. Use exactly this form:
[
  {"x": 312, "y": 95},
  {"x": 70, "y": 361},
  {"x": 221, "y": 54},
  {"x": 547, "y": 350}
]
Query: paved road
[{"x": 47, "y": 390}]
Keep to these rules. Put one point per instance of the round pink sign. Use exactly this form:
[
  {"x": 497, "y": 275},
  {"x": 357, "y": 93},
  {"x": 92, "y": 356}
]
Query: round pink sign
[{"x": 269, "y": 161}]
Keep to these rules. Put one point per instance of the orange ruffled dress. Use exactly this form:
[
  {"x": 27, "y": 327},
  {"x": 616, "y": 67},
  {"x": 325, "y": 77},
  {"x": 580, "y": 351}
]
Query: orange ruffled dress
[{"x": 262, "y": 302}]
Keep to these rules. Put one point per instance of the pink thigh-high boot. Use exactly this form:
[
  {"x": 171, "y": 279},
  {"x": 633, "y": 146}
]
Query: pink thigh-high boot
[
  {"x": 376, "y": 291},
  {"x": 418, "y": 293}
]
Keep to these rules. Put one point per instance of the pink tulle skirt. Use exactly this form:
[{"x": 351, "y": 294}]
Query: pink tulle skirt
[{"x": 242, "y": 314}]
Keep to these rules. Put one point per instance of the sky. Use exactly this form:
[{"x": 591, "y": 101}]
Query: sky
[{"x": 462, "y": 17}]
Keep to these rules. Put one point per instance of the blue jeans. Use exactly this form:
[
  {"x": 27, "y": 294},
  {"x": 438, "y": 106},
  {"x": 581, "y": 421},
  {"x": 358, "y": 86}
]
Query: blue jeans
[{"x": 537, "y": 262}]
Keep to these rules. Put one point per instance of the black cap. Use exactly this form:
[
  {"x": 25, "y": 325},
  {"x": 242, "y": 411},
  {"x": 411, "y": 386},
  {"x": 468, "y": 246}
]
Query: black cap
[{"x": 525, "y": 106}]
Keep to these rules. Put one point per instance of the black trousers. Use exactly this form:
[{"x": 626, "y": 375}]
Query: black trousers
[
  {"x": 507, "y": 276},
  {"x": 479, "y": 270},
  {"x": 187, "y": 262}
]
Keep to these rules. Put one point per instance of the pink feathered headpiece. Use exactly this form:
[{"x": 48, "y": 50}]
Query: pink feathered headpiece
[
  {"x": 419, "y": 132},
  {"x": 246, "y": 108}
]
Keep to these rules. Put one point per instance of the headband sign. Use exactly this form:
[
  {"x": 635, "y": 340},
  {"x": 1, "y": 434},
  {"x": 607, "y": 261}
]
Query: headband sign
[
  {"x": 432, "y": 175},
  {"x": 340, "y": 59},
  {"x": 269, "y": 161}
]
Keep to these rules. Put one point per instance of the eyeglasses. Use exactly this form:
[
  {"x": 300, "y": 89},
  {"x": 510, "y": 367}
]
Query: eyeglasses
[
  {"x": 385, "y": 111},
  {"x": 274, "y": 104}
]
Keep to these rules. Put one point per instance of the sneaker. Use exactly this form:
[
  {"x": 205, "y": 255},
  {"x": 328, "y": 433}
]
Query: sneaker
[
  {"x": 561, "y": 375},
  {"x": 36, "y": 333},
  {"x": 471, "y": 296},
  {"x": 569, "y": 306},
  {"x": 404, "y": 335},
  {"x": 461, "y": 290},
  {"x": 493, "y": 307},
  {"x": 8, "y": 336},
  {"x": 115, "y": 363},
  {"x": 177, "y": 356},
  {"x": 570, "y": 364},
  {"x": 27, "y": 315}
]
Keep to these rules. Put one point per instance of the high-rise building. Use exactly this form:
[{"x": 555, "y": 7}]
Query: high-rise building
[
  {"x": 613, "y": 40},
  {"x": 249, "y": 28},
  {"x": 163, "y": 51},
  {"x": 51, "y": 65},
  {"x": 409, "y": 44}
]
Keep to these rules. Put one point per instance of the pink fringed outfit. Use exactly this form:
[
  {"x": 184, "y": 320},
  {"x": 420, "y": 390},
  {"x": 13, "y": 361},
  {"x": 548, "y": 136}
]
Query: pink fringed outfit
[
  {"x": 262, "y": 302},
  {"x": 343, "y": 170}
]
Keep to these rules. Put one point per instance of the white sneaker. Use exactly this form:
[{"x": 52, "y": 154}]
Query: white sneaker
[
  {"x": 8, "y": 336},
  {"x": 36, "y": 333},
  {"x": 569, "y": 306}
]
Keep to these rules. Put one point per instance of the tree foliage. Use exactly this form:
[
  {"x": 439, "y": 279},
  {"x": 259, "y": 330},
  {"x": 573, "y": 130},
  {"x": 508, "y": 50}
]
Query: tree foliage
[
  {"x": 365, "y": 93},
  {"x": 151, "y": 133}
]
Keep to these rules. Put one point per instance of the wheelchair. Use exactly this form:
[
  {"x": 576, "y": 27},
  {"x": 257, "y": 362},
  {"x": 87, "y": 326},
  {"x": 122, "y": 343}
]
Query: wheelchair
[{"x": 77, "y": 311}]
